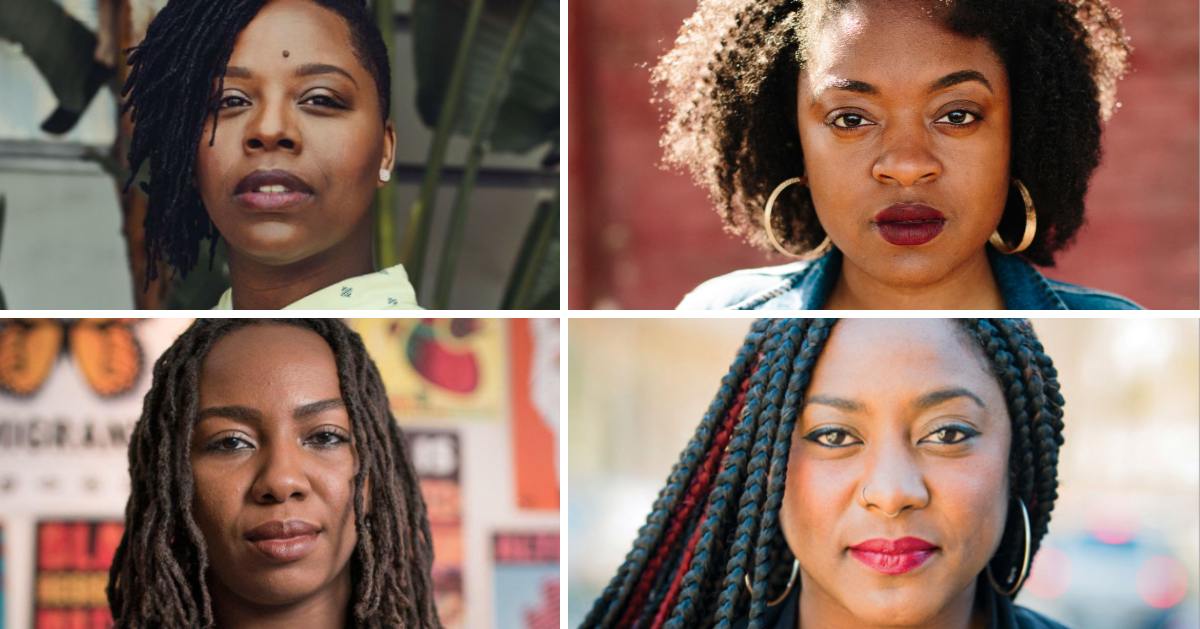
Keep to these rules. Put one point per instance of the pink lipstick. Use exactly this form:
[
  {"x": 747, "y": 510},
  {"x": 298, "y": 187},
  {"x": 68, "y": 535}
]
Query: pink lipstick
[
  {"x": 893, "y": 556},
  {"x": 909, "y": 224}
]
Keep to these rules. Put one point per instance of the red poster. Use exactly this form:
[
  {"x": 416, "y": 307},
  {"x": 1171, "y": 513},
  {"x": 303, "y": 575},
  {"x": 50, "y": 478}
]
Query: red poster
[
  {"x": 73, "y": 558},
  {"x": 535, "y": 393}
]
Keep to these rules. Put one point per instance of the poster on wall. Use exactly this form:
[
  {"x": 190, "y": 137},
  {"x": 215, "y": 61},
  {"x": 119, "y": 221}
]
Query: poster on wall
[
  {"x": 70, "y": 393},
  {"x": 535, "y": 376},
  {"x": 439, "y": 368},
  {"x": 72, "y": 561},
  {"x": 527, "y": 580},
  {"x": 435, "y": 457}
]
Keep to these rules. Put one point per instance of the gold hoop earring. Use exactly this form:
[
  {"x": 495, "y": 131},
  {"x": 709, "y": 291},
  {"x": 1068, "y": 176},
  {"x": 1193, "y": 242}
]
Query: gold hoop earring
[
  {"x": 791, "y": 582},
  {"x": 1030, "y": 226},
  {"x": 1024, "y": 562},
  {"x": 811, "y": 255}
]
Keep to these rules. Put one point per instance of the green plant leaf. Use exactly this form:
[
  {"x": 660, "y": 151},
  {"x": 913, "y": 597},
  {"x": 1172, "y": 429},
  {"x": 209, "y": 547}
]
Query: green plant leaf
[
  {"x": 529, "y": 103},
  {"x": 63, "y": 50},
  {"x": 534, "y": 283}
]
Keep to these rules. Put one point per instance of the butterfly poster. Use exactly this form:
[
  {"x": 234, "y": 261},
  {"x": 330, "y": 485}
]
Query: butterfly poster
[
  {"x": 527, "y": 580},
  {"x": 435, "y": 368},
  {"x": 106, "y": 353},
  {"x": 72, "y": 560}
]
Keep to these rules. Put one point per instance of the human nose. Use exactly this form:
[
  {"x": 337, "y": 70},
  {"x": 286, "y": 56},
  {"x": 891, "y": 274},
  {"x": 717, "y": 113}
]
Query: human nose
[
  {"x": 906, "y": 158},
  {"x": 893, "y": 484},
  {"x": 281, "y": 476},
  {"x": 273, "y": 128}
]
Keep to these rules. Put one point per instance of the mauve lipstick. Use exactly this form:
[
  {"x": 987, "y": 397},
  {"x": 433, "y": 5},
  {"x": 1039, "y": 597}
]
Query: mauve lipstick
[
  {"x": 909, "y": 224},
  {"x": 893, "y": 556}
]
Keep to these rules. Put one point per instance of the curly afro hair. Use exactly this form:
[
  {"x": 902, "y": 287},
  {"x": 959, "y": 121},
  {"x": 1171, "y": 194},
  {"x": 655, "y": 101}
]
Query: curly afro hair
[{"x": 732, "y": 80}]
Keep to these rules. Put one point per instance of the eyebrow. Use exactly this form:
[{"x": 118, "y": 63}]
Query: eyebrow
[
  {"x": 923, "y": 402},
  {"x": 862, "y": 87},
  {"x": 245, "y": 414},
  {"x": 308, "y": 69}
]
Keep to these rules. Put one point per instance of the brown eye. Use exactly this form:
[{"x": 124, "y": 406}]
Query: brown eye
[
  {"x": 233, "y": 101},
  {"x": 959, "y": 117},
  {"x": 831, "y": 438},
  {"x": 952, "y": 435},
  {"x": 849, "y": 121}
]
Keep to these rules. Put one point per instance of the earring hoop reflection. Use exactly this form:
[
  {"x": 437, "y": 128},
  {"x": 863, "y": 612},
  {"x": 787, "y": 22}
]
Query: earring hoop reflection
[
  {"x": 1024, "y": 562},
  {"x": 791, "y": 582},
  {"x": 811, "y": 255},
  {"x": 1030, "y": 225},
  {"x": 864, "y": 497}
]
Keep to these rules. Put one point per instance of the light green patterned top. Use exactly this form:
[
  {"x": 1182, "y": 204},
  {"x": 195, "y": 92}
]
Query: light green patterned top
[{"x": 382, "y": 290}]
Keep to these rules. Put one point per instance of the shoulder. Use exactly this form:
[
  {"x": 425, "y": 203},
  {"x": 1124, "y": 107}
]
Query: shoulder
[
  {"x": 798, "y": 285},
  {"x": 1028, "y": 619},
  {"x": 1083, "y": 298}
]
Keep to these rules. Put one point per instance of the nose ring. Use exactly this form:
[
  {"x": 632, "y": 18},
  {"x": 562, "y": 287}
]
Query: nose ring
[{"x": 890, "y": 515}]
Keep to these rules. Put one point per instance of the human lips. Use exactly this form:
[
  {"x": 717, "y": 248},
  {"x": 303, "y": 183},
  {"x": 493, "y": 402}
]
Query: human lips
[
  {"x": 908, "y": 224},
  {"x": 284, "y": 541},
  {"x": 272, "y": 190},
  {"x": 893, "y": 556}
]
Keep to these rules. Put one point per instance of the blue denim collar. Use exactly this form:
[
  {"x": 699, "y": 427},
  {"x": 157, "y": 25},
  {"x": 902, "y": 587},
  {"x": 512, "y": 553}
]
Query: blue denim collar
[{"x": 1022, "y": 286}]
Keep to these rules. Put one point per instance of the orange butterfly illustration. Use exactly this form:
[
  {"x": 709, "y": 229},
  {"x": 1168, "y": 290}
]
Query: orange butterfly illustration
[{"x": 106, "y": 351}]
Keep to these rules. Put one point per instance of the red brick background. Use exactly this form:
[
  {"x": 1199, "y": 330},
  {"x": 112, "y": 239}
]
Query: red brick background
[{"x": 641, "y": 237}]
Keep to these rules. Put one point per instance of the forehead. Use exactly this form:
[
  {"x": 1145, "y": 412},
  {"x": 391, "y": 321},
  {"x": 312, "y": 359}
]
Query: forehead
[
  {"x": 309, "y": 32},
  {"x": 869, "y": 358},
  {"x": 895, "y": 46},
  {"x": 268, "y": 360}
]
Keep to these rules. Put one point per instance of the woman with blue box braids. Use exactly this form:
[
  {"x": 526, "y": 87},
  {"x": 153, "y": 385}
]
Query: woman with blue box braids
[{"x": 936, "y": 439}]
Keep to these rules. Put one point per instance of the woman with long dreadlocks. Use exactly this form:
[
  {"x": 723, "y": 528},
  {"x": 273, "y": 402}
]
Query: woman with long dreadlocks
[
  {"x": 867, "y": 474},
  {"x": 271, "y": 488},
  {"x": 265, "y": 123}
]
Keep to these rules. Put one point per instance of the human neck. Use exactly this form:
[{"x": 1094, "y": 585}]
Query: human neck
[
  {"x": 971, "y": 286},
  {"x": 326, "y": 609},
  {"x": 820, "y": 610},
  {"x": 259, "y": 286}
]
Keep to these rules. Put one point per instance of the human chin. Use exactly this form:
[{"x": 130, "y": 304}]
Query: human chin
[{"x": 271, "y": 241}]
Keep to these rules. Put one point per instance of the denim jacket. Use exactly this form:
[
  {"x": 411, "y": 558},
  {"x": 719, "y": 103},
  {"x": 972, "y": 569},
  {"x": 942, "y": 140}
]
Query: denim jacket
[{"x": 806, "y": 286}]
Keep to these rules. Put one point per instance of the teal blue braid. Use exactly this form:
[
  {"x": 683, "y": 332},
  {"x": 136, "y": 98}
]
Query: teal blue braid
[
  {"x": 611, "y": 604},
  {"x": 756, "y": 475},
  {"x": 815, "y": 336},
  {"x": 693, "y": 603}
]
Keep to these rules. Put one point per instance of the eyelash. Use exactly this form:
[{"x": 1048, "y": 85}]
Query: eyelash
[
  {"x": 329, "y": 102},
  {"x": 966, "y": 431},
  {"x": 218, "y": 445},
  {"x": 974, "y": 118}
]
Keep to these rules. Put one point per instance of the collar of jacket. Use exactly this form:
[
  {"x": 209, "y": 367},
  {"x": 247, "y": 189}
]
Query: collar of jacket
[{"x": 806, "y": 285}]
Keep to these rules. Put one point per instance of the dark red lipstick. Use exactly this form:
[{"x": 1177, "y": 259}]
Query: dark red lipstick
[
  {"x": 893, "y": 556},
  {"x": 909, "y": 224},
  {"x": 272, "y": 190}
]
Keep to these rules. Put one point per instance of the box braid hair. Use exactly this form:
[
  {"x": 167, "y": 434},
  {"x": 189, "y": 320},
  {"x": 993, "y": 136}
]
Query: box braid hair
[
  {"x": 170, "y": 92},
  {"x": 716, "y": 522},
  {"x": 157, "y": 578}
]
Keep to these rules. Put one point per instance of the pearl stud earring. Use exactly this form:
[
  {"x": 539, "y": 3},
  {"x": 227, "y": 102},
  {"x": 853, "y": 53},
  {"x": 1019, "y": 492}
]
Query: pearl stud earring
[{"x": 385, "y": 175}]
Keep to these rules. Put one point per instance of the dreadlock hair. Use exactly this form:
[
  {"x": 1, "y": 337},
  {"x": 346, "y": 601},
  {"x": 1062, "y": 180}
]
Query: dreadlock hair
[
  {"x": 716, "y": 522},
  {"x": 732, "y": 79},
  {"x": 170, "y": 92},
  {"x": 157, "y": 578}
]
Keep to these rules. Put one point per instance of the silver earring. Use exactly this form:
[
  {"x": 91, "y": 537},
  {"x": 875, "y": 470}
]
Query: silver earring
[{"x": 385, "y": 175}]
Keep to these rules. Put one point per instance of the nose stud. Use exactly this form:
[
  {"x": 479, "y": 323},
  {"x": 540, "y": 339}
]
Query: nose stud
[
  {"x": 385, "y": 175},
  {"x": 890, "y": 515}
]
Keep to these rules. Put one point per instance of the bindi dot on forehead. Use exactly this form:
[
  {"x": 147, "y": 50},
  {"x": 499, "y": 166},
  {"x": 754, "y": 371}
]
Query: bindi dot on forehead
[{"x": 286, "y": 54}]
